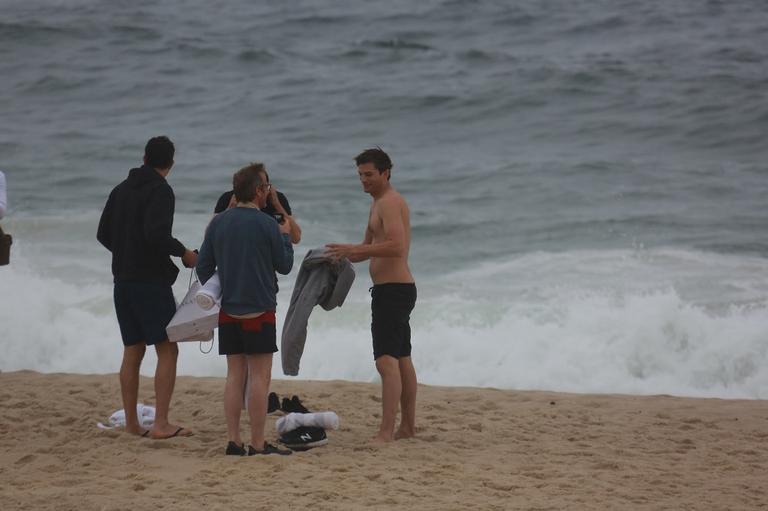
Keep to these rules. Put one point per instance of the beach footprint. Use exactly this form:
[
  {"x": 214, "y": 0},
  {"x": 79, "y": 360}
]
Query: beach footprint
[{"x": 26, "y": 459}]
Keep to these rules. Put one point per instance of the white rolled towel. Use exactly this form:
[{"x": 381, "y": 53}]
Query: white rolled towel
[
  {"x": 327, "y": 420},
  {"x": 210, "y": 293},
  {"x": 146, "y": 415}
]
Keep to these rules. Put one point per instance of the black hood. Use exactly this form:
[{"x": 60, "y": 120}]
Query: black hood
[{"x": 143, "y": 175}]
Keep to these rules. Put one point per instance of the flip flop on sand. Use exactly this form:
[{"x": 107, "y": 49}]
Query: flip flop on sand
[
  {"x": 145, "y": 434},
  {"x": 176, "y": 433}
]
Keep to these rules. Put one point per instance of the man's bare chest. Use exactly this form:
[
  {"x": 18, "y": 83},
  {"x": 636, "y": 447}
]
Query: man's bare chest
[{"x": 375, "y": 225}]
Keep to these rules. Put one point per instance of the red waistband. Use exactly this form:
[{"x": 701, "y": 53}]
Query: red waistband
[{"x": 250, "y": 323}]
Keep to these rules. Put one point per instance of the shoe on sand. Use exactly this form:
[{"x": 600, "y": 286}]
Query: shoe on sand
[
  {"x": 273, "y": 403},
  {"x": 303, "y": 438},
  {"x": 268, "y": 449},
  {"x": 293, "y": 405},
  {"x": 235, "y": 450}
]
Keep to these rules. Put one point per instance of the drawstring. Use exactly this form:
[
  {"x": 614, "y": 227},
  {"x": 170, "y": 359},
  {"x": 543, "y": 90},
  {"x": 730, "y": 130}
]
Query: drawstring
[{"x": 191, "y": 274}]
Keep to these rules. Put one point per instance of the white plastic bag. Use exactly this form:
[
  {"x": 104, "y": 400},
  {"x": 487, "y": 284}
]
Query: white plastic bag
[{"x": 191, "y": 322}]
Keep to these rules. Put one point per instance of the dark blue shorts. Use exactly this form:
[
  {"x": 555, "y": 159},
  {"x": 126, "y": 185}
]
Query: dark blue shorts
[
  {"x": 143, "y": 311},
  {"x": 391, "y": 306}
]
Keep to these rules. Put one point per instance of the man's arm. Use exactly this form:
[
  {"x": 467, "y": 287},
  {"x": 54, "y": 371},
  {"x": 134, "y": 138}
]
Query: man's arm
[
  {"x": 158, "y": 223},
  {"x": 367, "y": 240},
  {"x": 393, "y": 244},
  {"x": 282, "y": 250},
  {"x": 284, "y": 209},
  {"x": 206, "y": 260},
  {"x": 104, "y": 233},
  {"x": 295, "y": 230}
]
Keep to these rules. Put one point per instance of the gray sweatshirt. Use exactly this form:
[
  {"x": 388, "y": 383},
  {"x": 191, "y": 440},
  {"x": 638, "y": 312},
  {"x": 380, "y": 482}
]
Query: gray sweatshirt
[{"x": 321, "y": 281}]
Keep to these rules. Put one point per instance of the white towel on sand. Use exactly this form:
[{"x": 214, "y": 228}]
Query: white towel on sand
[
  {"x": 146, "y": 415},
  {"x": 327, "y": 420},
  {"x": 209, "y": 294}
]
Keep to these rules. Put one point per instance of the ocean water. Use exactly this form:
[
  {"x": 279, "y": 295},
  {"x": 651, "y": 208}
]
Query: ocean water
[{"x": 587, "y": 179}]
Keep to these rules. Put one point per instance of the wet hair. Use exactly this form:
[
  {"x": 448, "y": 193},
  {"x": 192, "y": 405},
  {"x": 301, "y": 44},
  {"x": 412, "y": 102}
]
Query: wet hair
[
  {"x": 159, "y": 151},
  {"x": 247, "y": 179},
  {"x": 377, "y": 157}
]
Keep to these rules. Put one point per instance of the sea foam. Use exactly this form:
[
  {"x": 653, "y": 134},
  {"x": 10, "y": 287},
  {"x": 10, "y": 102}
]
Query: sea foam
[{"x": 579, "y": 322}]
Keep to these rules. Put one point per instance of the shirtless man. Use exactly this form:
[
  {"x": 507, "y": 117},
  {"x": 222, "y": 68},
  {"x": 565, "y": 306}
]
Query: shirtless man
[{"x": 386, "y": 244}]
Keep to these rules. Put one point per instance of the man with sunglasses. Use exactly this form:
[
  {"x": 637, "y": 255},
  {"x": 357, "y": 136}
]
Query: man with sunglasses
[{"x": 247, "y": 247}]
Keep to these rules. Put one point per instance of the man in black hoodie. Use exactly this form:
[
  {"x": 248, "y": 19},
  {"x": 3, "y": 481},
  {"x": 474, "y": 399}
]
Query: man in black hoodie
[{"x": 136, "y": 227}]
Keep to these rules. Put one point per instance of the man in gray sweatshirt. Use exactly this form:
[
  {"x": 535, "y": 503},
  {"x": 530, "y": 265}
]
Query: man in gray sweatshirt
[{"x": 247, "y": 246}]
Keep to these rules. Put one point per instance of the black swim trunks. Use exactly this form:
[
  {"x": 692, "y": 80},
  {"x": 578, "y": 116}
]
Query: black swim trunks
[{"x": 391, "y": 307}]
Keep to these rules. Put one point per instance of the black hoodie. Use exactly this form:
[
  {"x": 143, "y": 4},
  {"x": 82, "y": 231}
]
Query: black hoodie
[{"x": 136, "y": 227}]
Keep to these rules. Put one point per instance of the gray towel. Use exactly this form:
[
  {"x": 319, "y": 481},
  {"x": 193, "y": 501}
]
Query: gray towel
[{"x": 321, "y": 281}]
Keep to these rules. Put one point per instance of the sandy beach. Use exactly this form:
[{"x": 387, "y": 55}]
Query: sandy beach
[{"x": 476, "y": 449}]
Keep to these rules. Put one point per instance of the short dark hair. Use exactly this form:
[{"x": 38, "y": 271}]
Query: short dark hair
[
  {"x": 378, "y": 157},
  {"x": 159, "y": 152},
  {"x": 247, "y": 179}
]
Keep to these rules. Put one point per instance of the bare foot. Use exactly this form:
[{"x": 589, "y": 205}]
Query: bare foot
[
  {"x": 382, "y": 438},
  {"x": 169, "y": 431},
  {"x": 404, "y": 433},
  {"x": 137, "y": 431}
]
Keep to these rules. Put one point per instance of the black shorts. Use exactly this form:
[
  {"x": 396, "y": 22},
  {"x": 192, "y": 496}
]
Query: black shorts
[
  {"x": 391, "y": 307},
  {"x": 143, "y": 311},
  {"x": 247, "y": 336}
]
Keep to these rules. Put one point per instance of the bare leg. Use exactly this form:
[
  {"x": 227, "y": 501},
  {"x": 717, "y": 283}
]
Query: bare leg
[
  {"x": 233, "y": 395},
  {"x": 129, "y": 385},
  {"x": 260, "y": 368},
  {"x": 165, "y": 379},
  {"x": 407, "y": 427},
  {"x": 391, "y": 389}
]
